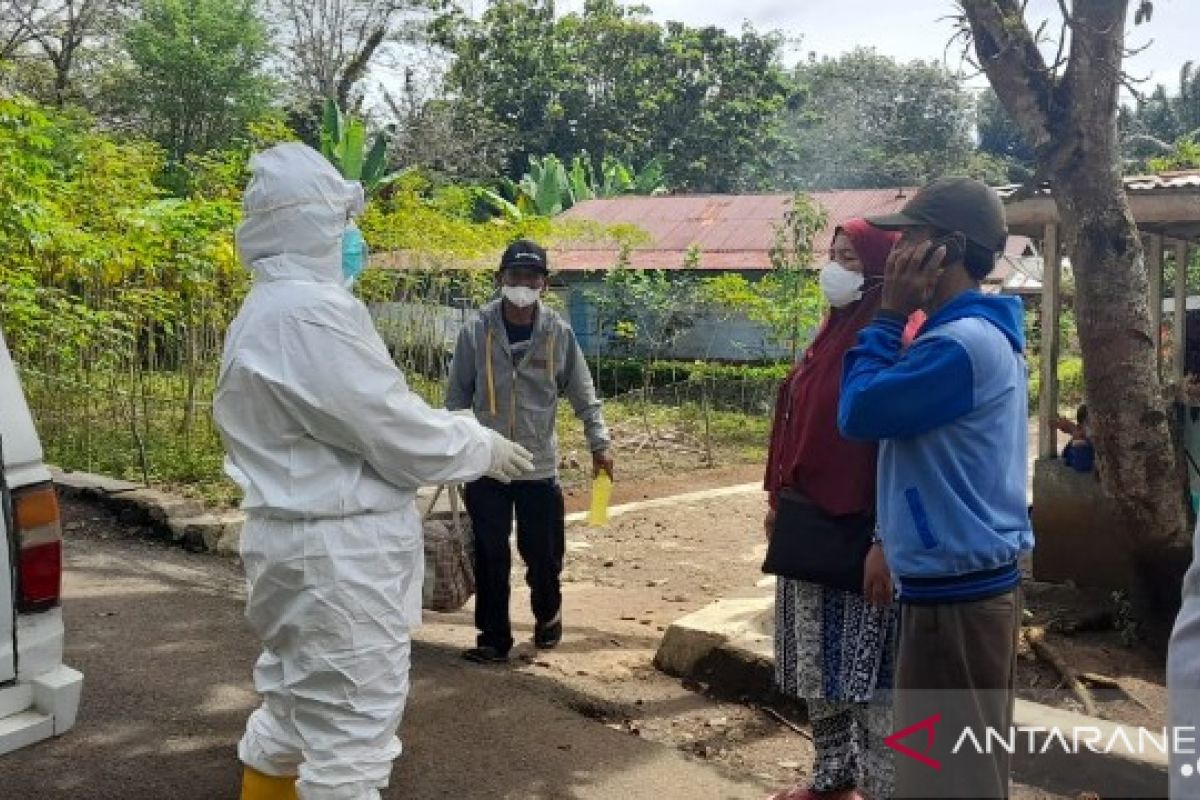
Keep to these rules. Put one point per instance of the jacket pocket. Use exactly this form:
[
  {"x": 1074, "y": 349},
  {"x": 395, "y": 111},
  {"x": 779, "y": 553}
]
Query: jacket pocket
[
  {"x": 537, "y": 406},
  {"x": 920, "y": 518}
]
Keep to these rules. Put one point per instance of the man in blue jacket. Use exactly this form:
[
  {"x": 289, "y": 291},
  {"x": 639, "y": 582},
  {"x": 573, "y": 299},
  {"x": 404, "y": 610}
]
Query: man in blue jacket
[{"x": 951, "y": 417}]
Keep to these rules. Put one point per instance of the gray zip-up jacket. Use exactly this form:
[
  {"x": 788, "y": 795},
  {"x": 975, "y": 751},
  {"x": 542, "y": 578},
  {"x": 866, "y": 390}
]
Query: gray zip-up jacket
[{"x": 520, "y": 400}]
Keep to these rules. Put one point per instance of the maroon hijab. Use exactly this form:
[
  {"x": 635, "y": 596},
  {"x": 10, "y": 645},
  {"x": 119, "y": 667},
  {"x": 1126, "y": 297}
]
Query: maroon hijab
[{"x": 807, "y": 453}]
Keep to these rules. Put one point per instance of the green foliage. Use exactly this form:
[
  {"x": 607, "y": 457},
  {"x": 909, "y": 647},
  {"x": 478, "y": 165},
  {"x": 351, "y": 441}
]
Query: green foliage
[
  {"x": 198, "y": 72},
  {"x": 1184, "y": 154},
  {"x": 546, "y": 189},
  {"x": 89, "y": 220},
  {"x": 645, "y": 311},
  {"x": 221, "y": 174},
  {"x": 788, "y": 300},
  {"x": 1000, "y": 138},
  {"x": 794, "y": 302},
  {"x": 617, "y": 376},
  {"x": 115, "y": 296},
  {"x": 609, "y": 81},
  {"x": 549, "y": 188},
  {"x": 435, "y": 226},
  {"x": 618, "y": 178},
  {"x": 344, "y": 143},
  {"x": 866, "y": 120},
  {"x": 1070, "y": 383},
  {"x": 1169, "y": 117},
  {"x": 1193, "y": 273},
  {"x": 106, "y": 287}
]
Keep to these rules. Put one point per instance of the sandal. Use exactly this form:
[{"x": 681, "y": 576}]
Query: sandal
[
  {"x": 485, "y": 654},
  {"x": 548, "y": 636}
]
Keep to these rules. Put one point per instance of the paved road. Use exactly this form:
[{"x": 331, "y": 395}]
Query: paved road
[{"x": 160, "y": 638}]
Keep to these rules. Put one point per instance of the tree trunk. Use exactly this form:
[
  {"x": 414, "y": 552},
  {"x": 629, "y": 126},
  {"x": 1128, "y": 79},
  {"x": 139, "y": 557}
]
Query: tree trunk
[
  {"x": 1070, "y": 116},
  {"x": 1136, "y": 457},
  {"x": 1126, "y": 406}
]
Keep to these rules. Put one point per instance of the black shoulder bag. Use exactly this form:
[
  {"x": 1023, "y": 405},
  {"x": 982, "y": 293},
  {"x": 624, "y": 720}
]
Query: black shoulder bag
[{"x": 809, "y": 545}]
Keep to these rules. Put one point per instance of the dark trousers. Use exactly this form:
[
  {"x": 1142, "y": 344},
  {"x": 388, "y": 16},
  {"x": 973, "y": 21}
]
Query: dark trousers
[
  {"x": 957, "y": 662},
  {"x": 541, "y": 541}
]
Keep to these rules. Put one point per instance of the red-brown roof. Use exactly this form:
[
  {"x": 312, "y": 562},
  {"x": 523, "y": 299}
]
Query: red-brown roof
[{"x": 728, "y": 232}]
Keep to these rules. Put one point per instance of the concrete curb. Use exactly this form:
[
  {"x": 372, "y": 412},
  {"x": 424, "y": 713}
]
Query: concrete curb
[
  {"x": 1119, "y": 772},
  {"x": 725, "y": 646},
  {"x": 196, "y": 527},
  {"x": 170, "y": 517}
]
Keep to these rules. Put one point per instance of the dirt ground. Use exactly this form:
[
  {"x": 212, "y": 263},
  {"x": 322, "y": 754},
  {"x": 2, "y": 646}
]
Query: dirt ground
[
  {"x": 160, "y": 637},
  {"x": 642, "y": 480},
  {"x": 626, "y": 582},
  {"x": 623, "y": 585},
  {"x": 1085, "y": 627}
]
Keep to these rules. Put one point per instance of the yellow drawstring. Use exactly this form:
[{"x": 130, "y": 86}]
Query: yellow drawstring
[{"x": 491, "y": 377}]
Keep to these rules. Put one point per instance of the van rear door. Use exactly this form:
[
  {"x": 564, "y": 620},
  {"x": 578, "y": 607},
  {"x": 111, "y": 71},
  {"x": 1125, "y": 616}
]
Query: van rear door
[
  {"x": 8, "y": 613},
  {"x": 20, "y": 466}
]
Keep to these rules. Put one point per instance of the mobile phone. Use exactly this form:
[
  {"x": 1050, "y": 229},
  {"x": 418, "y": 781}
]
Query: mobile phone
[{"x": 956, "y": 247}]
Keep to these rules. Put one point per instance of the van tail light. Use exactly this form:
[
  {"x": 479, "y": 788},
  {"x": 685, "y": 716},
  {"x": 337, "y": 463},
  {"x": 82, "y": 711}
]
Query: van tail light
[{"x": 39, "y": 548}]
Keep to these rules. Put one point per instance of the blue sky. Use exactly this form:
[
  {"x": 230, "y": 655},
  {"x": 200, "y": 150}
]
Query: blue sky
[{"x": 909, "y": 29}]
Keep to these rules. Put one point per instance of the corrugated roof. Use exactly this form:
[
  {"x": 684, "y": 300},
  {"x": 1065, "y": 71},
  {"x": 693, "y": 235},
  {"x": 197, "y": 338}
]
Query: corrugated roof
[
  {"x": 730, "y": 232},
  {"x": 1163, "y": 182},
  {"x": 723, "y": 260},
  {"x": 727, "y": 232}
]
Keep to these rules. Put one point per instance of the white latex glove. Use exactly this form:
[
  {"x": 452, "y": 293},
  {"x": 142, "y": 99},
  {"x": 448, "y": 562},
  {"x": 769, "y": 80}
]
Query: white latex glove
[{"x": 509, "y": 459}]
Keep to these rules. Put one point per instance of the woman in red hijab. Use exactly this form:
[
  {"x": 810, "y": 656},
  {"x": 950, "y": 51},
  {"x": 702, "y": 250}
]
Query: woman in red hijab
[{"x": 833, "y": 648}]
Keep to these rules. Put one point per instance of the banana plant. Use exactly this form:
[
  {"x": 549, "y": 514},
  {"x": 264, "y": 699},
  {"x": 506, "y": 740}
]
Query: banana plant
[
  {"x": 545, "y": 190},
  {"x": 620, "y": 178},
  {"x": 581, "y": 179},
  {"x": 344, "y": 143},
  {"x": 651, "y": 179},
  {"x": 500, "y": 205},
  {"x": 549, "y": 188}
]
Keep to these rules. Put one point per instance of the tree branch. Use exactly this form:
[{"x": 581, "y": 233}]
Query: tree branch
[
  {"x": 1096, "y": 61},
  {"x": 358, "y": 65},
  {"x": 1059, "y": 60},
  {"x": 1156, "y": 143},
  {"x": 1014, "y": 65}
]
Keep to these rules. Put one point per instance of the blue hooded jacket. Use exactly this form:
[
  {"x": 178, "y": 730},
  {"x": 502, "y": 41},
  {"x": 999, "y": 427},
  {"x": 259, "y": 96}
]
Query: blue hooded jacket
[{"x": 951, "y": 414}]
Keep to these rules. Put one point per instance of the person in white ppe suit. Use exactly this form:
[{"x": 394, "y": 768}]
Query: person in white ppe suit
[
  {"x": 328, "y": 445},
  {"x": 1183, "y": 684}
]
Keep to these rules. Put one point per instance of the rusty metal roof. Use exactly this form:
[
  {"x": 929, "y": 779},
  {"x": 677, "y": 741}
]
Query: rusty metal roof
[
  {"x": 729, "y": 232},
  {"x": 1188, "y": 179}
]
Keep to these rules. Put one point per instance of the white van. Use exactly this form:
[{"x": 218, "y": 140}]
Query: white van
[{"x": 39, "y": 695}]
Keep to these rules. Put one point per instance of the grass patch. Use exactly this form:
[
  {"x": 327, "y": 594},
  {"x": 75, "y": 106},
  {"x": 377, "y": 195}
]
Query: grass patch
[{"x": 143, "y": 426}]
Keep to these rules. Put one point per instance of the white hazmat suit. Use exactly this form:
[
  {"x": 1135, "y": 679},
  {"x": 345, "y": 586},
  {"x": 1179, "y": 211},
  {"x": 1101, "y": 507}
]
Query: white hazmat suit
[
  {"x": 1183, "y": 682},
  {"x": 328, "y": 445}
]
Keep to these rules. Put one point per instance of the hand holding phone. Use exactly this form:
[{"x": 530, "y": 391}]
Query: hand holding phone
[
  {"x": 956, "y": 249},
  {"x": 912, "y": 272}
]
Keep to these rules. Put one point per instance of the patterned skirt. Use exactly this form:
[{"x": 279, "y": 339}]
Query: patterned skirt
[{"x": 832, "y": 645}]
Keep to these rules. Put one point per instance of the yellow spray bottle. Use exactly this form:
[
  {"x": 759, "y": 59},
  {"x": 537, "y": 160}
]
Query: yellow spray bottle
[{"x": 601, "y": 494}]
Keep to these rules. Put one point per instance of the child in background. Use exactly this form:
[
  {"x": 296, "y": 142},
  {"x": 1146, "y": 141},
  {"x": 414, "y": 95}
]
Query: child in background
[{"x": 1079, "y": 454}]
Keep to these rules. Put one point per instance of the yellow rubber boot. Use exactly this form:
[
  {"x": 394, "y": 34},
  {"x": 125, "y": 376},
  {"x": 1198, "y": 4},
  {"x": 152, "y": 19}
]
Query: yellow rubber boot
[{"x": 257, "y": 786}]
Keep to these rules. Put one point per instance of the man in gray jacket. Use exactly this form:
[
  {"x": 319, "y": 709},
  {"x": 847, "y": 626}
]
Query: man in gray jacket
[{"x": 511, "y": 365}]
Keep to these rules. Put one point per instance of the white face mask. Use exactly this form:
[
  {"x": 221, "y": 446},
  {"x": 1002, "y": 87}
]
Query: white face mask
[
  {"x": 521, "y": 296},
  {"x": 840, "y": 285}
]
